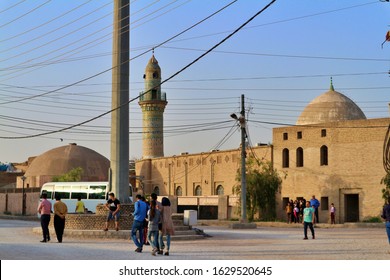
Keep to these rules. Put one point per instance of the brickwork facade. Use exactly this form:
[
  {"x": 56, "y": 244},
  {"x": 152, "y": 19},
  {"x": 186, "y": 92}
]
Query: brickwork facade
[
  {"x": 339, "y": 163},
  {"x": 205, "y": 174}
]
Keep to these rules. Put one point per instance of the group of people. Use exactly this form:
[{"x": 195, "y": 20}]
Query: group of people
[
  {"x": 295, "y": 210},
  {"x": 306, "y": 211},
  {"x": 152, "y": 221},
  {"x": 60, "y": 211}
]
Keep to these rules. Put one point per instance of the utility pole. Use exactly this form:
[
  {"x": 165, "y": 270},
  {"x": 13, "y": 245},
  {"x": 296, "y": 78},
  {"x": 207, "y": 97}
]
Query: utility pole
[
  {"x": 242, "y": 122},
  {"x": 243, "y": 160},
  {"x": 119, "y": 165}
]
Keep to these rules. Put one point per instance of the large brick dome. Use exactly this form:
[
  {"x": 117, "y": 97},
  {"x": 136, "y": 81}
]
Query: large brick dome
[
  {"x": 61, "y": 160},
  {"x": 332, "y": 106}
]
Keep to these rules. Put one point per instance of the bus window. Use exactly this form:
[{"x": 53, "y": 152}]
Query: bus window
[
  {"x": 79, "y": 192},
  {"x": 63, "y": 191},
  {"x": 97, "y": 192}
]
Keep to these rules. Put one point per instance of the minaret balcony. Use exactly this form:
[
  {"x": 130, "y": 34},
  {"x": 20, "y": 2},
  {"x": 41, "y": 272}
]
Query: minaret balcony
[{"x": 152, "y": 95}]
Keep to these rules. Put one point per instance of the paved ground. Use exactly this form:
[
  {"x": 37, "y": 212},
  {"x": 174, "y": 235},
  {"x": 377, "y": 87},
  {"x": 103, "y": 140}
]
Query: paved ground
[{"x": 18, "y": 242}]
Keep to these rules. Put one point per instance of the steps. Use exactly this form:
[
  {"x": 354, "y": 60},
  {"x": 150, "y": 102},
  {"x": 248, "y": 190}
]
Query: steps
[{"x": 183, "y": 232}]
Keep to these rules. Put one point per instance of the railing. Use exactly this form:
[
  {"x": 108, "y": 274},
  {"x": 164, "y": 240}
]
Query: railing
[{"x": 152, "y": 95}]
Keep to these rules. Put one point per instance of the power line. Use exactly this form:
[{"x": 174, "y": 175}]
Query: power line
[
  {"x": 13, "y": 6},
  {"x": 157, "y": 46},
  {"x": 45, "y": 23},
  {"x": 286, "y": 55},
  {"x": 172, "y": 76},
  {"x": 25, "y": 14},
  {"x": 279, "y": 21}
]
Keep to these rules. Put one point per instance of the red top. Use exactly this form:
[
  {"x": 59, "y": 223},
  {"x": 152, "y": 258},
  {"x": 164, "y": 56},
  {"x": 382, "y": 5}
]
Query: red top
[{"x": 44, "y": 207}]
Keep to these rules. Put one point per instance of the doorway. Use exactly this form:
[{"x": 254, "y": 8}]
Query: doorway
[{"x": 351, "y": 208}]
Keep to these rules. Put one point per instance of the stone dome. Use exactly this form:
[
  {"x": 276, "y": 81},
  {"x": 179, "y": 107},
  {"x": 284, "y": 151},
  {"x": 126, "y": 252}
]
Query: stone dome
[
  {"x": 61, "y": 160},
  {"x": 331, "y": 106}
]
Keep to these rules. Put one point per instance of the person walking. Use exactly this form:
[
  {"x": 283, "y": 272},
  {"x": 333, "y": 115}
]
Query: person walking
[
  {"x": 332, "y": 214},
  {"x": 154, "y": 218},
  {"x": 44, "y": 209},
  {"x": 60, "y": 211},
  {"x": 308, "y": 220},
  {"x": 80, "y": 207},
  {"x": 113, "y": 205},
  {"x": 167, "y": 223},
  {"x": 386, "y": 216},
  {"x": 145, "y": 236},
  {"x": 140, "y": 209},
  {"x": 315, "y": 203},
  {"x": 160, "y": 244}
]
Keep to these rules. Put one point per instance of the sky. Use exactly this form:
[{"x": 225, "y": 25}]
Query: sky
[{"x": 280, "y": 61}]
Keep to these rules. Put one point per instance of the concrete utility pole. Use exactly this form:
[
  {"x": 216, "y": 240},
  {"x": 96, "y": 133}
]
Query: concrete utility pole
[
  {"x": 243, "y": 160},
  {"x": 242, "y": 122},
  {"x": 119, "y": 178}
]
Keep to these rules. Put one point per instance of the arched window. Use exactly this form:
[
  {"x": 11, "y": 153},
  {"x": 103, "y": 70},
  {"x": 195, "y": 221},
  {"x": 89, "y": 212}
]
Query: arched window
[
  {"x": 220, "y": 190},
  {"x": 299, "y": 157},
  {"x": 156, "y": 190},
  {"x": 179, "y": 191},
  {"x": 285, "y": 158},
  {"x": 324, "y": 155},
  {"x": 198, "y": 190}
]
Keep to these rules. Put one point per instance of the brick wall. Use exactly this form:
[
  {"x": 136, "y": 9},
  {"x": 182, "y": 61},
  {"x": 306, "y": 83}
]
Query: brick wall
[
  {"x": 97, "y": 221},
  {"x": 355, "y": 150}
]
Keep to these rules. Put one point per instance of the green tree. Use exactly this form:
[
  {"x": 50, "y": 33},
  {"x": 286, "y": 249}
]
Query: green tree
[
  {"x": 263, "y": 182},
  {"x": 386, "y": 191},
  {"x": 73, "y": 175}
]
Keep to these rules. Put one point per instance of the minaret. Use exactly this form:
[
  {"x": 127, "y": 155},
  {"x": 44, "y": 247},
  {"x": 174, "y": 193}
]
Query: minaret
[{"x": 152, "y": 102}]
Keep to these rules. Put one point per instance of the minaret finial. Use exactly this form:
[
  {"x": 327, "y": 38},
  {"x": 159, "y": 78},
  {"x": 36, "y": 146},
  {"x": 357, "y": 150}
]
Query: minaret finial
[
  {"x": 331, "y": 84},
  {"x": 153, "y": 51}
]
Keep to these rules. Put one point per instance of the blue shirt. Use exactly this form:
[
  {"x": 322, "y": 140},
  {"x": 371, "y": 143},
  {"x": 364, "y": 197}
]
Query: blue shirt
[
  {"x": 314, "y": 202},
  {"x": 140, "y": 209}
]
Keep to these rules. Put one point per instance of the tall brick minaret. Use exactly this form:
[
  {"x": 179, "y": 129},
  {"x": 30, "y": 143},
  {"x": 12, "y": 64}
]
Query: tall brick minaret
[{"x": 152, "y": 102}]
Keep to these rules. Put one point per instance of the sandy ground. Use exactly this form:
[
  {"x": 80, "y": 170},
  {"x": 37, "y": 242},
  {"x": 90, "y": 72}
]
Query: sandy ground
[{"x": 18, "y": 242}]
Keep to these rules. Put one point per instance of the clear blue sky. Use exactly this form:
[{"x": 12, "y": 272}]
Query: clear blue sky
[{"x": 281, "y": 61}]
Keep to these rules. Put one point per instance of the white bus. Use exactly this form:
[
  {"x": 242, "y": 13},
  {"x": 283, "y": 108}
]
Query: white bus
[{"x": 91, "y": 193}]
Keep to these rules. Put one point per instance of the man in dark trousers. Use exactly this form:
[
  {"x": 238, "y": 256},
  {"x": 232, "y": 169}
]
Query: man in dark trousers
[
  {"x": 139, "y": 215},
  {"x": 60, "y": 211},
  {"x": 44, "y": 210},
  {"x": 315, "y": 203}
]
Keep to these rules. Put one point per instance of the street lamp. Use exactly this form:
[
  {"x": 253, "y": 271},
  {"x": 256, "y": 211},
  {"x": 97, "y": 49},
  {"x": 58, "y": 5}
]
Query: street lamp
[
  {"x": 23, "y": 197},
  {"x": 242, "y": 122}
]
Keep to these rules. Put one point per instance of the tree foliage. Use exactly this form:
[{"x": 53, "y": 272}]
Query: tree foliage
[
  {"x": 386, "y": 191},
  {"x": 263, "y": 182},
  {"x": 73, "y": 175}
]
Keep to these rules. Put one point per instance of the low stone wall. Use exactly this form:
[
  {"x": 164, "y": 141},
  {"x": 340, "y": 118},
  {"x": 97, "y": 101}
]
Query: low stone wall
[{"x": 97, "y": 221}]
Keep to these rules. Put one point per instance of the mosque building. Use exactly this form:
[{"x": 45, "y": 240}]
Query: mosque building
[{"x": 333, "y": 152}]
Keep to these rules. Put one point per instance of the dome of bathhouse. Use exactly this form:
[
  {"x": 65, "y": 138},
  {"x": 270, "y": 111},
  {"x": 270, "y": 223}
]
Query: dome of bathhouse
[
  {"x": 61, "y": 160},
  {"x": 331, "y": 106}
]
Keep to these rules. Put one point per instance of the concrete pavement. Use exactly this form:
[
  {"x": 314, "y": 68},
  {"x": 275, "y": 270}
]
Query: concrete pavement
[{"x": 18, "y": 242}]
